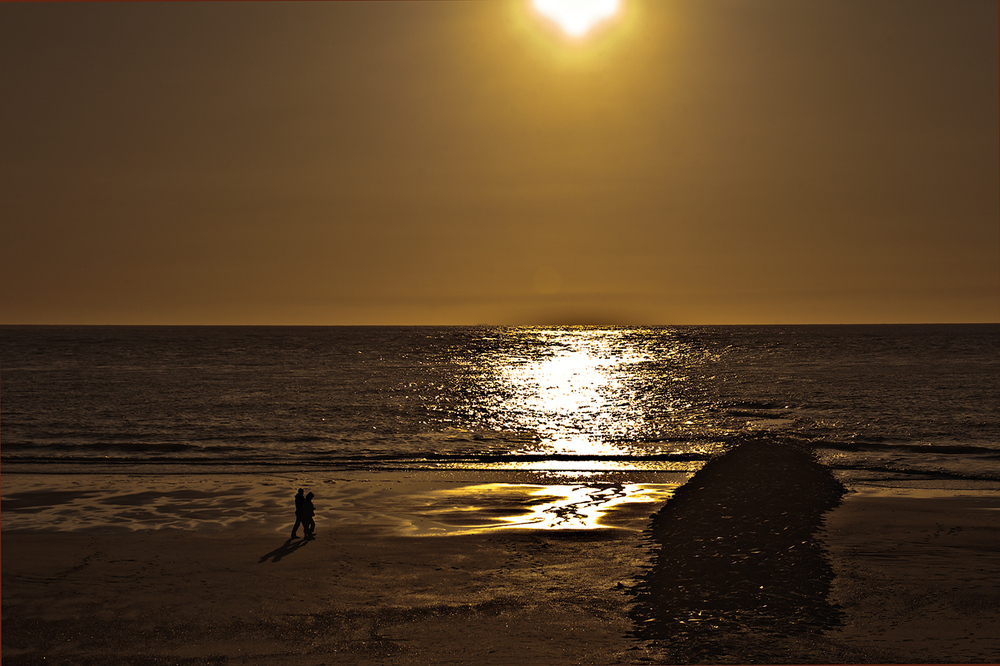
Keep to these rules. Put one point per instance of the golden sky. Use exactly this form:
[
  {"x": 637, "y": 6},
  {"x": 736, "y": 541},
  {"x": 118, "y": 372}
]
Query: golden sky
[{"x": 459, "y": 162}]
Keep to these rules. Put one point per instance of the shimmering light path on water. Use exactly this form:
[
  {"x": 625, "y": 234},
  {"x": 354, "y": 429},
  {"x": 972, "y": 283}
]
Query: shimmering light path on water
[{"x": 583, "y": 392}]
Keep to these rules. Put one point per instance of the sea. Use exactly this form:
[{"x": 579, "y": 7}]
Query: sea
[{"x": 878, "y": 403}]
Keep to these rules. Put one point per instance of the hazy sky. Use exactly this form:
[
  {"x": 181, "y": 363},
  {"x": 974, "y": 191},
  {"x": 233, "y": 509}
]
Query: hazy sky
[{"x": 460, "y": 162}]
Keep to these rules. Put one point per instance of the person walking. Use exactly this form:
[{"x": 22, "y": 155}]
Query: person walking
[
  {"x": 308, "y": 511},
  {"x": 300, "y": 503}
]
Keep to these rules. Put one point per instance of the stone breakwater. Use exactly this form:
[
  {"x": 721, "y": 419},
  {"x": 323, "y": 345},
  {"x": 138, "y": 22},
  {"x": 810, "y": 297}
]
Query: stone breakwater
[{"x": 735, "y": 559}]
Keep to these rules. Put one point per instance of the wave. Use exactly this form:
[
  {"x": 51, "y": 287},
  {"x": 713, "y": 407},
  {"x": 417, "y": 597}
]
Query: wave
[
  {"x": 123, "y": 447},
  {"x": 671, "y": 462},
  {"x": 893, "y": 472},
  {"x": 752, "y": 405},
  {"x": 444, "y": 460},
  {"x": 874, "y": 446}
]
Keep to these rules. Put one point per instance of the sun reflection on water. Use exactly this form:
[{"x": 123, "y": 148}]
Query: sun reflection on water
[
  {"x": 573, "y": 397},
  {"x": 565, "y": 399}
]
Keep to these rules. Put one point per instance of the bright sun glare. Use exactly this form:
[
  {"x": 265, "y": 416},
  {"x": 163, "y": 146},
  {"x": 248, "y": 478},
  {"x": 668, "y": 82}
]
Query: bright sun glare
[{"x": 577, "y": 17}]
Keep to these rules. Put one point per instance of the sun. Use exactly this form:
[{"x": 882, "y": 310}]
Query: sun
[{"x": 577, "y": 17}]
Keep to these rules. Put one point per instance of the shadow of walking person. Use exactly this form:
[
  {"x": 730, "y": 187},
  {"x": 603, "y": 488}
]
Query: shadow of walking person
[
  {"x": 738, "y": 566},
  {"x": 287, "y": 548}
]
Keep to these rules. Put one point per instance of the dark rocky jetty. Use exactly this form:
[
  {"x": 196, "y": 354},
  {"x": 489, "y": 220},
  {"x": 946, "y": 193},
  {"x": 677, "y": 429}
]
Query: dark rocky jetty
[{"x": 736, "y": 560}]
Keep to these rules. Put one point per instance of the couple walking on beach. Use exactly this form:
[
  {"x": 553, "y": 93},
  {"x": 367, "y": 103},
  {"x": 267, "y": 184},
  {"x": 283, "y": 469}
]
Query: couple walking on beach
[{"x": 304, "y": 512}]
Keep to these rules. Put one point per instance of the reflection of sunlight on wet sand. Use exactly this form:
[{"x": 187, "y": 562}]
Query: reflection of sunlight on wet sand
[
  {"x": 396, "y": 504},
  {"x": 550, "y": 507}
]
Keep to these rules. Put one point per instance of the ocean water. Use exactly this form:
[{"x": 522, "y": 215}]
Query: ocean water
[{"x": 879, "y": 403}]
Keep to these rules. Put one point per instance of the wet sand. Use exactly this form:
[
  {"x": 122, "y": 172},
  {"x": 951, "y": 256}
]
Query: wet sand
[
  {"x": 432, "y": 568},
  {"x": 917, "y": 574},
  {"x": 406, "y": 568}
]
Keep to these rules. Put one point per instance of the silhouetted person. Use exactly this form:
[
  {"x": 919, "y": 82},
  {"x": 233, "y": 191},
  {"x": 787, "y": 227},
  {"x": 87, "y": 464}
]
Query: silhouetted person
[
  {"x": 308, "y": 511},
  {"x": 300, "y": 503}
]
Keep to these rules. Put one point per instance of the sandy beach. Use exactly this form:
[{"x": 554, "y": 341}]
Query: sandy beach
[
  {"x": 917, "y": 574},
  {"x": 503, "y": 568}
]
